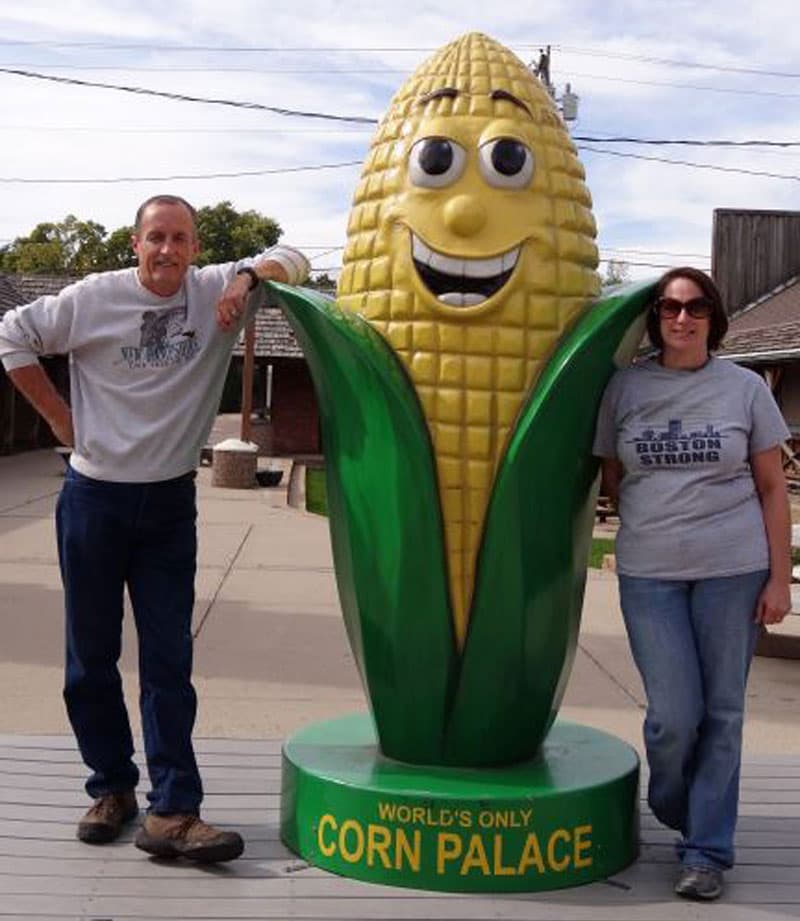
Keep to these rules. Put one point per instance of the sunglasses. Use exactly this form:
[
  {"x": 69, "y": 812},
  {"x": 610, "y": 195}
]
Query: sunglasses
[{"x": 699, "y": 308}]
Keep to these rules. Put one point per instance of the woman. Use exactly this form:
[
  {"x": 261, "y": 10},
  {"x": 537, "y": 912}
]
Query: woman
[{"x": 691, "y": 454}]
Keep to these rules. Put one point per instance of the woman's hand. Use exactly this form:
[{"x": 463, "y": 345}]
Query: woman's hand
[{"x": 774, "y": 602}]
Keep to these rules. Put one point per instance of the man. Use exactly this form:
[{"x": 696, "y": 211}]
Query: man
[{"x": 149, "y": 350}]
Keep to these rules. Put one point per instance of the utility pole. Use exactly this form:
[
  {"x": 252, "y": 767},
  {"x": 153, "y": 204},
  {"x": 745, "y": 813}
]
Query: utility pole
[{"x": 567, "y": 102}]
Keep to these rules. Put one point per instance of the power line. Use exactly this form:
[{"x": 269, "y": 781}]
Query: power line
[
  {"x": 686, "y": 142},
  {"x": 364, "y": 120},
  {"x": 323, "y": 166},
  {"x": 244, "y": 49},
  {"x": 653, "y": 252},
  {"x": 16, "y": 67},
  {"x": 383, "y": 49},
  {"x": 89, "y": 129},
  {"x": 258, "y": 49},
  {"x": 204, "y": 70},
  {"x": 367, "y": 120},
  {"x": 231, "y": 175},
  {"x": 673, "y": 62},
  {"x": 105, "y": 130},
  {"x": 182, "y": 97},
  {"x": 689, "y": 163},
  {"x": 327, "y": 252},
  {"x": 650, "y": 265},
  {"x": 356, "y": 119},
  {"x": 696, "y": 87}
]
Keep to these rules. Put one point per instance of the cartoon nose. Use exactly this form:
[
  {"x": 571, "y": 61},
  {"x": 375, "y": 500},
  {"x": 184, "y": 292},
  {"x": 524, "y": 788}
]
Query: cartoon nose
[{"x": 464, "y": 215}]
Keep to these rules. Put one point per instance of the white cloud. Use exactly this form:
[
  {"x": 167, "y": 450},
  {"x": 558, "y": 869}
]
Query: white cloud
[{"x": 642, "y": 205}]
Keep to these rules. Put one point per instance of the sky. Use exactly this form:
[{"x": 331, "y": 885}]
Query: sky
[{"x": 650, "y": 70}]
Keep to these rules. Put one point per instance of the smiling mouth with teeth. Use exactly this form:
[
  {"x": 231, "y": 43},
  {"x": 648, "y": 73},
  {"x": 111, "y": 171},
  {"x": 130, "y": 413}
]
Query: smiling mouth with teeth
[{"x": 462, "y": 282}]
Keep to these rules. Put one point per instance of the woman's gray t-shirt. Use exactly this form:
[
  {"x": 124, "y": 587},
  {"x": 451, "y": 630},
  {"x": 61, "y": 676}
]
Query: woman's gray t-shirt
[{"x": 688, "y": 505}]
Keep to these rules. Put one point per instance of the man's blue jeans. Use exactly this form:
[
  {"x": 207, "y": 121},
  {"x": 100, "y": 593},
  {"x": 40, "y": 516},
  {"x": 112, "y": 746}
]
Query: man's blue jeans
[
  {"x": 693, "y": 643},
  {"x": 142, "y": 535}
]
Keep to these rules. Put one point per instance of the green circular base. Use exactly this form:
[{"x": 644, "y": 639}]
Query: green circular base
[{"x": 567, "y": 817}]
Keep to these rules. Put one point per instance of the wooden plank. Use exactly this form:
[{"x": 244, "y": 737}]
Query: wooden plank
[
  {"x": 752, "y": 855},
  {"x": 216, "y": 782},
  {"x": 45, "y": 872},
  {"x": 193, "y": 882},
  {"x": 33, "y": 756},
  {"x": 125, "y": 861},
  {"x": 75, "y": 798},
  {"x": 454, "y": 908},
  {"x": 202, "y": 744}
]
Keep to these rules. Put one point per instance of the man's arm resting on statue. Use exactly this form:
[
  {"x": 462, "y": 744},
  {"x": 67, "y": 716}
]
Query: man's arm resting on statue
[{"x": 282, "y": 264}]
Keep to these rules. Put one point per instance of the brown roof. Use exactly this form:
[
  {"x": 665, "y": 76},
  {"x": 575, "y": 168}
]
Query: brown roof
[
  {"x": 769, "y": 328},
  {"x": 781, "y": 305},
  {"x": 779, "y": 341},
  {"x": 22, "y": 289},
  {"x": 9, "y": 295},
  {"x": 33, "y": 286},
  {"x": 274, "y": 336}
]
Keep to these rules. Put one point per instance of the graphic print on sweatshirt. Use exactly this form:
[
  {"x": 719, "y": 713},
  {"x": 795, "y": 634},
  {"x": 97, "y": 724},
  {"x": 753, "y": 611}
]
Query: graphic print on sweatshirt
[
  {"x": 675, "y": 447},
  {"x": 164, "y": 340}
]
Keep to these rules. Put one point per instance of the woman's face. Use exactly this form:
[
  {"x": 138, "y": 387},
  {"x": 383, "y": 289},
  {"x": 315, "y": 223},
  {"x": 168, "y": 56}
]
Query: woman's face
[{"x": 684, "y": 334}]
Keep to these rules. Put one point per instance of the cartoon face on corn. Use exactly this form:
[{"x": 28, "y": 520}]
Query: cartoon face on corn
[{"x": 459, "y": 463}]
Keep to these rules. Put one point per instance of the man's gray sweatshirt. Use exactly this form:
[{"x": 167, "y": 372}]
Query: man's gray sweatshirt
[{"x": 146, "y": 372}]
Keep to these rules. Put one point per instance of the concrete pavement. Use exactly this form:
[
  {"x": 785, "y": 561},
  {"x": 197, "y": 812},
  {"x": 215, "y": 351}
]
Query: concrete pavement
[{"x": 271, "y": 653}]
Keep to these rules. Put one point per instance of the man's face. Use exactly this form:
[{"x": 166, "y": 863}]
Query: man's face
[{"x": 166, "y": 244}]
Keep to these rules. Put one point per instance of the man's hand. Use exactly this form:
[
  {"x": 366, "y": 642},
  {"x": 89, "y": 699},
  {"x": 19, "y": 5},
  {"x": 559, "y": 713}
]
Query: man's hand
[
  {"x": 233, "y": 302},
  {"x": 61, "y": 426}
]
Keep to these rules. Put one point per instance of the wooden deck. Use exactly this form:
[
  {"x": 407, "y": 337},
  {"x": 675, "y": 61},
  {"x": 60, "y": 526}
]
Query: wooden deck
[{"x": 45, "y": 873}]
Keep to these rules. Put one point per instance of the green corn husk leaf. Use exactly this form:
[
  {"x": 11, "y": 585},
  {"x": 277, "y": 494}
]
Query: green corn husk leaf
[
  {"x": 386, "y": 526},
  {"x": 495, "y": 704},
  {"x": 531, "y": 568}
]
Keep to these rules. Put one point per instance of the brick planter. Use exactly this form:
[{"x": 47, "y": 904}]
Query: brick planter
[{"x": 234, "y": 464}]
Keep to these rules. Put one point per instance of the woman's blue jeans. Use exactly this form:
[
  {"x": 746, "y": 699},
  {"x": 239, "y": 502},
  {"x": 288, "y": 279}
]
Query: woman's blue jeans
[
  {"x": 142, "y": 535},
  {"x": 693, "y": 643}
]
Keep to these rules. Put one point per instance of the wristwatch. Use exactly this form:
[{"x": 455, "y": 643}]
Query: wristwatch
[{"x": 254, "y": 279}]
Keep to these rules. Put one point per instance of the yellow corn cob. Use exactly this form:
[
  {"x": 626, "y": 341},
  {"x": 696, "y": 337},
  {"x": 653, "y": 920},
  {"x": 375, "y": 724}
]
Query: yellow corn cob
[{"x": 472, "y": 367}]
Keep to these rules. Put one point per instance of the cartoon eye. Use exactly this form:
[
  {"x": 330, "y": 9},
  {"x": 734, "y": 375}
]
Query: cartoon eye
[
  {"x": 436, "y": 162},
  {"x": 506, "y": 163}
]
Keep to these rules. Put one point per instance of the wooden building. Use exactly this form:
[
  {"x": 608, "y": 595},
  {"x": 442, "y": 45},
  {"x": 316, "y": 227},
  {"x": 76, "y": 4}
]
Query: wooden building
[
  {"x": 753, "y": 253},
  {"x": 756, "y": 264},
  {"x": 765, "y": 336}
]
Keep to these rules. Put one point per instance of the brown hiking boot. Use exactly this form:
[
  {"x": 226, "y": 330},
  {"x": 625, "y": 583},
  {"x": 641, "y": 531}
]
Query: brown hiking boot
[
  {"x": 187, "y": 836},
  {"x": 104, "y": 820}
]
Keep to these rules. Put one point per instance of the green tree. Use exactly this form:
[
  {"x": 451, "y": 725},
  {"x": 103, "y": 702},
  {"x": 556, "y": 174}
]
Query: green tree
[
  {"x": 119, "y": 253},
  {"x": 226, "y": 234},
  {"x": 77, "y": 247},
  {"x": 71, "y": 247}
]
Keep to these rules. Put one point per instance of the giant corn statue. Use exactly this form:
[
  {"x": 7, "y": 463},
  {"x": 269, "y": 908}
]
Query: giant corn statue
[
  {"x": 458, "y": 374},
  {"x": 471, "y": 249}
]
